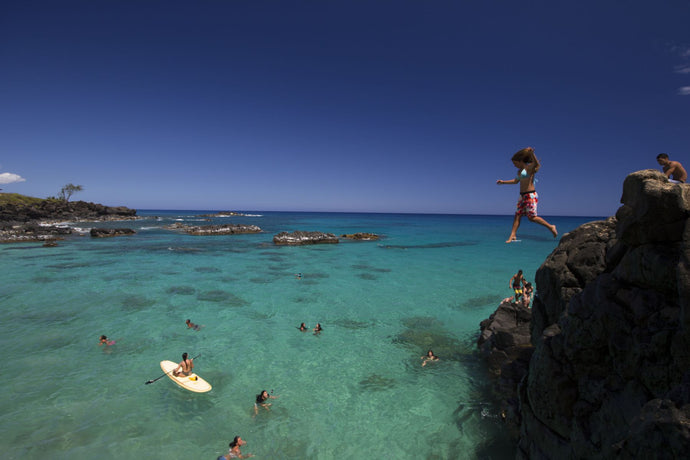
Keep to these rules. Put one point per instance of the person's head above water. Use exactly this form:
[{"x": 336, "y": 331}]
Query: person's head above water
[{"x": 237, "y": 441}]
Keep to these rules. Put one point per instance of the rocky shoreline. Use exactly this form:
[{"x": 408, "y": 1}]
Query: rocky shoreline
[
  {"x": 38, "y": 221},
  {"x": 605, "y": 369}
]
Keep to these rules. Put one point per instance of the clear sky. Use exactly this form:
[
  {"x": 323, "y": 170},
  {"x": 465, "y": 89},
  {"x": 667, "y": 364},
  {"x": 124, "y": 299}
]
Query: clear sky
[{"x": 374, "y": 106}]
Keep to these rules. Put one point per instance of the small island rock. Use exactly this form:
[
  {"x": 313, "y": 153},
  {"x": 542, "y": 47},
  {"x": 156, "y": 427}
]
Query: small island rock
[
  {"x": 108, "y": 232},
  {"x": 298, "y": 238},
  {"x": 204, "y": 230},
  {"x": 360, "y": 236}
]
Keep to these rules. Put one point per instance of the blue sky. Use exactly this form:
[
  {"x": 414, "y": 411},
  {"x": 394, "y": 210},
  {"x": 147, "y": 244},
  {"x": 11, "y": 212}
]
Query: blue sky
[{"x": 374, "y": 106}]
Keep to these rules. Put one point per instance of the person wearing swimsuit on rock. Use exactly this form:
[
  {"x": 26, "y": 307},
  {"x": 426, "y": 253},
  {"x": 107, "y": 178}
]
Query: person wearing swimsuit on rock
[{"x": 516, "y": 282}]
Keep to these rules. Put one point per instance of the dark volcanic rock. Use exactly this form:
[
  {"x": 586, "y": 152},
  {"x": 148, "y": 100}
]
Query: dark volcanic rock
[
  {"x": 300, "y": 238},
  {"x": 227, "y": 229},
  {"x": 108, "y": 232},
  {"x": 31, "y": 232},
  {"x": 505, "y": 344},
  {"x": 610, "y": 372},
  {"x": 361, "y": 236},
  {"x": 59, "y": 210}
]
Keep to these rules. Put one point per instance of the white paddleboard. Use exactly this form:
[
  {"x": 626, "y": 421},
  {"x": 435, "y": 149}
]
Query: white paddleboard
[{"x": 188, "y": 382}]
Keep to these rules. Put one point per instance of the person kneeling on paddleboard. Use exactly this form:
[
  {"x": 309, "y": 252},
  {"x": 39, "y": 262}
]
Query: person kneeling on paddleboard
[{"x": 185, "y": 367}]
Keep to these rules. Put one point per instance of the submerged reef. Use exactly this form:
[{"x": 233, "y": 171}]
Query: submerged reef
[{"x": 608, "y": 374}]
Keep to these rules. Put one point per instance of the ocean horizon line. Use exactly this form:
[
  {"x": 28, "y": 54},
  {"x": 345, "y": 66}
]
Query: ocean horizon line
[{"x": 256, "y": 211}]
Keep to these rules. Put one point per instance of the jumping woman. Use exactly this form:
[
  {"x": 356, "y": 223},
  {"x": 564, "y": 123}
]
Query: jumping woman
[{"x": 528, "y": 165}]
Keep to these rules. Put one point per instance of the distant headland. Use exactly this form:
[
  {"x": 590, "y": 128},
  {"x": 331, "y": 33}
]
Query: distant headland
[{"x": 25, "y": 218}]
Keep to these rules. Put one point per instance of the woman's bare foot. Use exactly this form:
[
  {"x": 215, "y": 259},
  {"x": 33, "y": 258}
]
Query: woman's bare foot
[
  {"x": 553, "y": 231},
  {"x": 512, "y": 238}
]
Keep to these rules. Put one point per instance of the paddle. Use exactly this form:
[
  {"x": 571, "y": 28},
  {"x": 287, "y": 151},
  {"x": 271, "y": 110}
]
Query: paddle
[{"x": 154, "y": 380}]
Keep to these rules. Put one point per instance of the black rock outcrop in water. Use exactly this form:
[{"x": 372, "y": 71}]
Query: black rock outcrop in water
[
  {"x": 610, "y": 373},
  {"x": 206, "y": 230},
  {"x": 110, "y": 232},
  {"x": 299, "y": 237}
]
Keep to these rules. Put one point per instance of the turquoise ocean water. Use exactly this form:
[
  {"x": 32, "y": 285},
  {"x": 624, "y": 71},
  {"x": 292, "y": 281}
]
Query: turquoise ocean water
[{"x": 357, "y": 390}]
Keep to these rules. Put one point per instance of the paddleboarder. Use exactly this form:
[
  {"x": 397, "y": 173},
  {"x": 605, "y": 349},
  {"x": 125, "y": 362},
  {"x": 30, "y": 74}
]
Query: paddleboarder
[{"x": 185, "y": 367}]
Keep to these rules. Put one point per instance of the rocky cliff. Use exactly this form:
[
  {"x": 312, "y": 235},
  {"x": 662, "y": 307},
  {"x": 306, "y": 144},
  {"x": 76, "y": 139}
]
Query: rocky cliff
[
  {"x": 609, "y": 376},
  {"x": 23, "y": 218},
  {"x": 57, "y": 210}
]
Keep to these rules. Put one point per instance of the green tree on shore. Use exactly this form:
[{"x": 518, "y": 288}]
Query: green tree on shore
[{"x": 68, "y": 190}]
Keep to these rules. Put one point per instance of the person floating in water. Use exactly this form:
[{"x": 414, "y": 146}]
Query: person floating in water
[
  {"x": 673, "y": 169},
  {"x": 261, "y": 399},
  {"x": 528, "y": 165},
  {"x": 235, "y": 451},
  {"x": 185, "y": 367},
  {"x": 191, "y": 325},
  {"x": 104, "y": 341},
  {"x": 317, "y": 329},
  {"x": 303, "y": 327},
  {"x": 516, "y": 283},
  {"x": 429, "y": 356},
  {"x": 298, "y": 276}
]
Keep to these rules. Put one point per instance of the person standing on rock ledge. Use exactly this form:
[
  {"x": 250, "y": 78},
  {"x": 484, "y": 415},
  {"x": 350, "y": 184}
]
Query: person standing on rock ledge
[
  {"x": 516, "y": 283},
  {"x": 673, "y": 169},
  {"x": 528, "y": 165}
]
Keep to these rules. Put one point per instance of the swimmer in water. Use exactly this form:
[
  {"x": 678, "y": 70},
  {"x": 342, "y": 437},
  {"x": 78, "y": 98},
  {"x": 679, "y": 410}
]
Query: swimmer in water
[
  {"x": 234, "y": 451},
  {"x": 317, "y": 329},
  {"x": 104, "y": 341},
  {"x": 430, "y": 356},
  {"x": 191, "y": 325},
  {"x": 261, "y": 399}
]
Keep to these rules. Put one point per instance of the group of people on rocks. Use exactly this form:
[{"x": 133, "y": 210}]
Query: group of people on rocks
[{"x": 522, "y": 290}]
